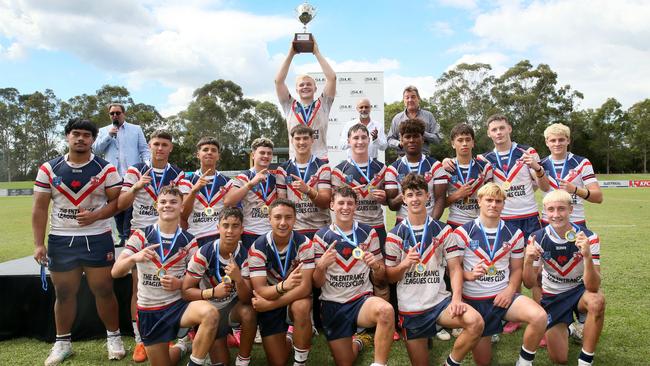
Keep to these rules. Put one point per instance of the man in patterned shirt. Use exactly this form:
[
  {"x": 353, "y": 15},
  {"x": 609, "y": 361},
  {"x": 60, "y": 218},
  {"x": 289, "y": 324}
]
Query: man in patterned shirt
[
  {"x": 142, "y": 184},
  {"x": 568, "y": 257},
  {"x": 83, "y": 189},
  {"x": 348, "y": 258},
  {"x": 161, "y": 252},
  {"x": 307, "y": 110},
  {"x": 204, "y": 203},
  {"x": 221, "y": 265},
  {"x": 281, "y": 263}
]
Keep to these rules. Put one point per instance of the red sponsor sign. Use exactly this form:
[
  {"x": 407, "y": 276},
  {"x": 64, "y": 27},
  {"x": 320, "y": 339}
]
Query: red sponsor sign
[{"x": 641, "y": 183}]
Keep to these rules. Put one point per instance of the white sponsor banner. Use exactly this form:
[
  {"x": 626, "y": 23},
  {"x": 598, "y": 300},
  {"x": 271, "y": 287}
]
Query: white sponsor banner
[
  {"x": 350, "y": 87},
  {"x": 614, "y": 183}
]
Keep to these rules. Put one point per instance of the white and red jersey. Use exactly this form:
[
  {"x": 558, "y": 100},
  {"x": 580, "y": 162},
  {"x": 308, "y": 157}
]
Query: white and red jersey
[
  {"x": 417, "y": 292},
  {"x": 209, "y": 266},
  {"x": 316, "y": 116},
  {"x": 276, "y": 265},
  {"x": 509, "y": 245},
  {"x": 199, "y": 223},
  {"x": 508, "y": 167},
  {"x": 478, "y": 172},
  {"x": 177, "y": 250},
  {"x": 317, "y": 175},
  {"x": 562, "y": 263},
  {"x": 575, "y": 169},
  {"x": 73, "y": 187},
  {"x": 428, "y": 167},
  {"x": 348, "y": 278},
  {"x": 256, "y": 219},
  {"x": 144, "y": 212},
  {"x": 346, "y": 173}
]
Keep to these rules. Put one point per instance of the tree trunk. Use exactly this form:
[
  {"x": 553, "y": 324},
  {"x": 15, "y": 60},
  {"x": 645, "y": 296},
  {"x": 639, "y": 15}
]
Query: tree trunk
[{"x": 645, "y": 160}]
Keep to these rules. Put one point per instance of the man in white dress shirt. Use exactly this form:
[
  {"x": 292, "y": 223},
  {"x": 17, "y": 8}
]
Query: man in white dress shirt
[{"x": 376, "y": 129}]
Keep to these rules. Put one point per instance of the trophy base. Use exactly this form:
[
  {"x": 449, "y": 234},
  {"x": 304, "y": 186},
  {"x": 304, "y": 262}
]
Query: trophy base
[{"x": 303, "y": 43}]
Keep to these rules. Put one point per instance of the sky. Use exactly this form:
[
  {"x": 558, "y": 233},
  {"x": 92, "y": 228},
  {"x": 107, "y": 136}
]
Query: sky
[{"x": 162, "y": 50}]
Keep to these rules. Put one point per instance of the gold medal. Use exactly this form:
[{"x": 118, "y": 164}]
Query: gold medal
[
  {"x": 506, "y": 185},
  {"x": 571, "y": 235},
  {"x": 304, "y": 197},
  {"x": 357, "y": 253},
  {"x": 265, "y": 210},
  {"x": 155, "y": 205},
  {"x": 492, "y": 270},
  {"x": 161, "y": 273},
  {"x": 419, "y": 268},
  {"x": 209, "y": 211},
  {"x": 226, "y": 279}
]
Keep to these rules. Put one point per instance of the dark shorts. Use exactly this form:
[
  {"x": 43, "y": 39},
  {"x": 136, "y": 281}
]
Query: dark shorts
[
  {"x": 225, "y": 323},
  {"x": 492, "y": 315},
  {"x": 424, "y": 324},
  {"x": 163, "y": 325},
  {"x": 340, "y": 320},
  {"x": 527, "y": 225},
  {"x": 273, "y": 321},
  {"x": 206, "y": 240},
  {"x": 248, "y": 239},
  {"x": 561, "y": 307},
  {"x": 381, "y": 233},
  {"x": 69, "y": 252}
]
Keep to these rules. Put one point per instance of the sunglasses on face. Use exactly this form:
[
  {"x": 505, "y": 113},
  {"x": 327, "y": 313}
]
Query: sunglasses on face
[{"x": 115, "y": 113}]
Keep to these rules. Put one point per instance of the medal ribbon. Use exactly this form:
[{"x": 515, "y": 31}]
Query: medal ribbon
[
  {"x": 464, "y": 179},
  {"x": 210, "y": 194},
  {"x": 415, "y": 239},
  {"x": 161, "y": 249},
  {"x": 215, "y": 247},
  {"x": 158, "y": 185},
  {"x": 575, "y": 227},
  {"x": 420, "y": 164},
  {"x": 498, "y": 156},
  {"x": 367, "y": 174},
  {"x": 285, "y": 267},
  {"x": 304, "y": 178},
  {"x": 264, "y": 188},
  {"x": 491, "y": 248},
  {"x": 354, "y": 242},
  {"x": 303, "y": 116}
]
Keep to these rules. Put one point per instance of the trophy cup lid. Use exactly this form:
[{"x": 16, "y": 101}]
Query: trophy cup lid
[{"x": 306, "y": 13}]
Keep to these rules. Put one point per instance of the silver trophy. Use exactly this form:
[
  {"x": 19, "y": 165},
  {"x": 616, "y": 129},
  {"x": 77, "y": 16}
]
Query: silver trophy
[{"x": 304, "y": 42}]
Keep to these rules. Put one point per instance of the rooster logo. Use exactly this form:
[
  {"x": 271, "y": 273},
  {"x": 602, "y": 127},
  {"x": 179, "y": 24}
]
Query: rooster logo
[
  {"x": 562, "y": 259},
  {"x": 75, "y": 184}
]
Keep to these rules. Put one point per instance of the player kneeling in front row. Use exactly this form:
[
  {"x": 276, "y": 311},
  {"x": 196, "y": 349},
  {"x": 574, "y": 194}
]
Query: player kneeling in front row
[
  {"x": 568, "y": 257},
  {"x": 281, "y": 263},
  {"x": 221, "y": 270},
  {"x": 348, "y": 257},
  {"x": 414, "y": 260},
  {"x": 492, "y": 261},
  {"x": 161, "y": 253}
]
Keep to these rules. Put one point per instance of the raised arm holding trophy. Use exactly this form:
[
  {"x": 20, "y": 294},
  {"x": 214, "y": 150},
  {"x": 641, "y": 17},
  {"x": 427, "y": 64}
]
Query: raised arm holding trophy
[{"x": 305, "y": 108}]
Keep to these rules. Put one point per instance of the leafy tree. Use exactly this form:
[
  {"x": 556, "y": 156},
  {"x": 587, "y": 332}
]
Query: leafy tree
[
  {"x": 639, "y": 136},
  {"x": 9, "y": 120},
  {"x": 609, "y": 123}
]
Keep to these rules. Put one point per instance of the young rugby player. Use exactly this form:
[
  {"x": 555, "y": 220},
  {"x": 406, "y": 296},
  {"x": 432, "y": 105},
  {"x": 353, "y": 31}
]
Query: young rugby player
[
  {"x": 255, "y": 188},
  {"x": 204, "y": 203},
  {"x": 348, "y": 258},
  {"x": 83, "y": 189},
  {"x": 306, "y": 109},
  {"x": 411, "y": 134},
  {"x": 415, "y": 249},
  {"x": 306, "y": 180},
  {"x": 281, "y": 263},
  {"x": 568, "y": 257},
  {"x": 142, "y": 184},
  {"x": 221, "y": 266},
  {"x": 161, "y": 252},
  {"x": 469, "y": 175},
  {"x": 492, "y": 263}
]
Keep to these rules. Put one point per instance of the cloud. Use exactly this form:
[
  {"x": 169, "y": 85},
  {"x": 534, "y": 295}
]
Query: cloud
[
  {"x": 599, "y": 47},
  {"x": 461, "y": 4},
  {"x": 14, "y": 52},
  {"x": 498, "y": 61},
  {"x": 441, "y": 29}
]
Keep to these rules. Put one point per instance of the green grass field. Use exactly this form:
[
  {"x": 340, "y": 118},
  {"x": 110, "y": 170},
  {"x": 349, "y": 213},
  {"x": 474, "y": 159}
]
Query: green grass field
[{"x": 621, "y": 221}]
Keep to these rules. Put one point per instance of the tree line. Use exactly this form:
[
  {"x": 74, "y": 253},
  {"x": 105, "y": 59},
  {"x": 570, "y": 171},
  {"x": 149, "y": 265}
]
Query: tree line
[{"x": 615, "y": 140}]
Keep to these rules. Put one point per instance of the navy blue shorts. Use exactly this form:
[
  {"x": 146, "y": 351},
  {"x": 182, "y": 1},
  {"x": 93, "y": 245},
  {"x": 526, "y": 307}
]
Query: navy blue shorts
[
  {"x": 424, "y": 324},
  {"x": 492, "y": 315},
  {"x": 527, "y": 225},
  {"x": 248, "y": 239},
  {"x": 162, "y": 325},
  {"x": 206, "y": 240},
  {"x": 340, "y": 320},
  {"x": 69, "y": 252},
  {"x": 273, "y": 321},
  {"x": 561, "y": 307},
  {"x": 381, "y": 233},
  {"x": 225, "y": 323}
]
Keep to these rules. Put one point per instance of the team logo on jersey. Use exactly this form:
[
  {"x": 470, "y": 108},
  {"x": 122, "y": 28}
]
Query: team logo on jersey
[
  {"x": 562, "y": 259},
  {"x": 400, "y": 177},
  {"x": 348, "y": 179},
  {"x": 546, "y": 255},
  {"x": 507, "y": 245},
  {"x": 75, "y": 184},
  {"x": 56, "y": 181},
  {"x": 577, "y": 255},
  {"x": 110, "y": 256},
  {"x": 289, "y": 179},
  {"x": 473, "y": 244},
  {"x": 454, "y": 179},
  {"x": 94, "y": 180},
  {"x": 182, "y": 251},
  {"x": 428, "y": 176}
]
